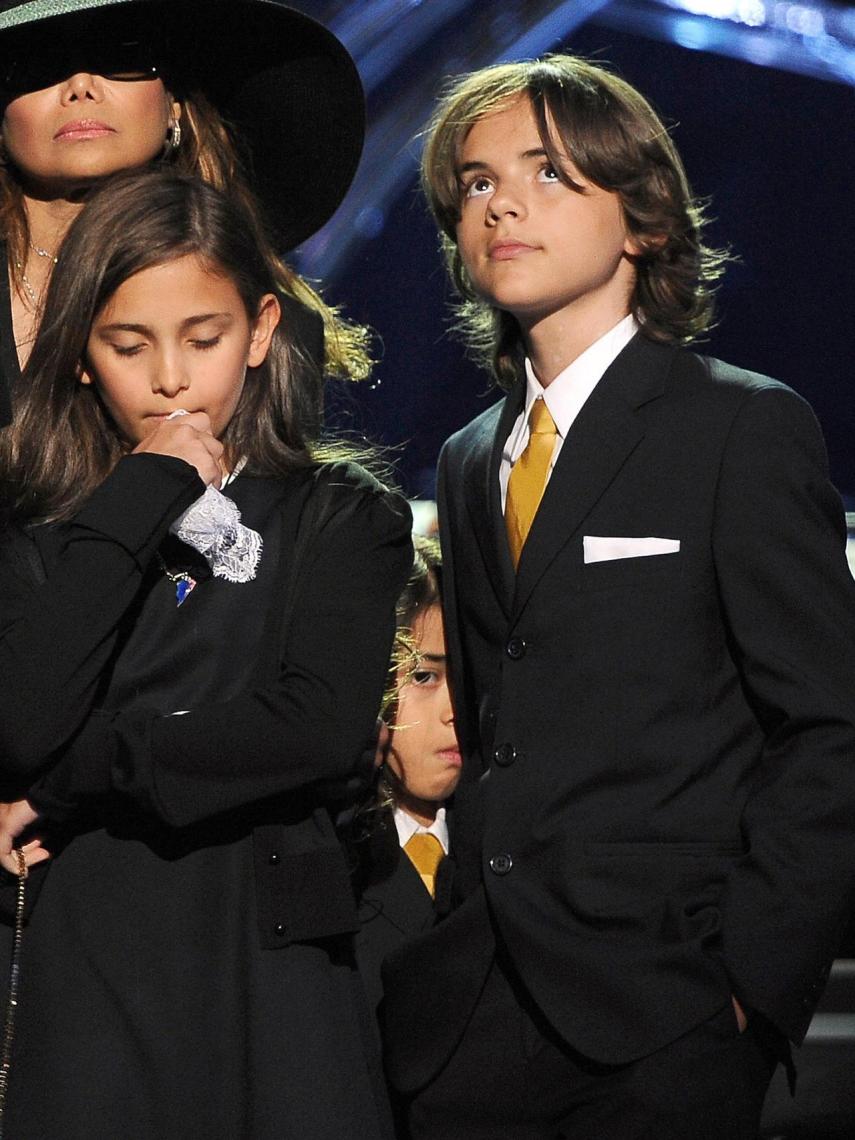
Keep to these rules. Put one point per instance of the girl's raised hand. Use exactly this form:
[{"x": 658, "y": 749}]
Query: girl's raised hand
[{"x": 187, "y": 437}]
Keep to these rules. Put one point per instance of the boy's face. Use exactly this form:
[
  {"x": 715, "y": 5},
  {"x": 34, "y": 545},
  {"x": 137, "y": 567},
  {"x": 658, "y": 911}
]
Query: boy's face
[
  {"x": 423, "y": 752},
  {"x": 532, "y": 245}
]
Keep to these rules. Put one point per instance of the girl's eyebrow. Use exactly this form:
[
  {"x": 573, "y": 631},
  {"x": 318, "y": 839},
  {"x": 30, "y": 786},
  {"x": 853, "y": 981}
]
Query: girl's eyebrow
[
  {"x": 144, "y": 330},
  {"x": 434, "y": 658}
]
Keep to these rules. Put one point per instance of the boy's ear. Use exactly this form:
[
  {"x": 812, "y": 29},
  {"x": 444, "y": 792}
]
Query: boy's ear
[
  {"x": 640, "y": 245},
  {"x": 269, "y": 314}
]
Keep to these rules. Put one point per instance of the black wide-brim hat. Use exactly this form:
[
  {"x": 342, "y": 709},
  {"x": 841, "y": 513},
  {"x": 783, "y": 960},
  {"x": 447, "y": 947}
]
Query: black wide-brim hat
[{"x": 286, "y": 85}]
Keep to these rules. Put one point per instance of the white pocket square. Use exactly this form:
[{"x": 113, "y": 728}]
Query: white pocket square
[{"x": 597, "y": 548}]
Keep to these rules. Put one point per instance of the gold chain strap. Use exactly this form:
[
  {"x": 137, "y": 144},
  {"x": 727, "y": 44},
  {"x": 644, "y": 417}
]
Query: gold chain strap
[{"x": 14, "y": 979}]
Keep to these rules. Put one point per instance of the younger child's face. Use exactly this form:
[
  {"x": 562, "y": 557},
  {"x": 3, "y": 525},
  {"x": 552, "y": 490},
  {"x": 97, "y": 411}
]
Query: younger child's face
[
  {"x": 531, "y": 244},
  {"x": 175, "y": 336},
  {"x": 423, "y": 752}
]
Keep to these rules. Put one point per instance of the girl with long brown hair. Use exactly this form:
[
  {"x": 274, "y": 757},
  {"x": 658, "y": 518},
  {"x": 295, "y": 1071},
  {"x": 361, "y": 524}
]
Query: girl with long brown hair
[{"x": 189, "y": 962}]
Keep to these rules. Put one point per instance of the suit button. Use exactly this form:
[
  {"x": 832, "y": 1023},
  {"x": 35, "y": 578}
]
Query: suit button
[
  {"x": 279, "y": 929},
  {"x": 516, "y": 648},
  {"x": 273, "y": 859},
  {"x": 501, "y": 864},
  {"x": 505, "y": 755}
]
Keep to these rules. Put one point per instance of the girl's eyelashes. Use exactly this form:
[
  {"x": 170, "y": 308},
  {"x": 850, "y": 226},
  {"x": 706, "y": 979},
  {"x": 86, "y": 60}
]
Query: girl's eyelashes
[
  {"x": 211, "y": 342},
  {"x": 134, "y": 349}
]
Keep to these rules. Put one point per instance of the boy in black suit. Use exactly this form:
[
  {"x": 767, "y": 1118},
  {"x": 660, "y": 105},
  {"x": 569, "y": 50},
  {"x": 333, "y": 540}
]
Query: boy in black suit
[
  {"x": 402, "y": 836},
  {"x": 652, "y": 626}
]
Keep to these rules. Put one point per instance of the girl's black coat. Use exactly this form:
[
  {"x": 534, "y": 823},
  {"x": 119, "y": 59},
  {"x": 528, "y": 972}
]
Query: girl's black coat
[{"x": 188, "y": 957}]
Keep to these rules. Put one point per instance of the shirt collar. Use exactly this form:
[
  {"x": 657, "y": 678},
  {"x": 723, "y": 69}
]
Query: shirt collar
[
  {"x": 567, "y": 393},
  {"x": 408, "y": 827}
]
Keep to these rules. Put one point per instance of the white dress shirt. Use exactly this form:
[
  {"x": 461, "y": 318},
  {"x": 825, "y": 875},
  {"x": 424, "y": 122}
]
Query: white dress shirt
[
  {"x": 408, "y": 827},
  {"x": 565, "y": 396}
]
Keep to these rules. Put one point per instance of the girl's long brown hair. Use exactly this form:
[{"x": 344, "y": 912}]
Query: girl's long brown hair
[{"x": 63, "y": 443}]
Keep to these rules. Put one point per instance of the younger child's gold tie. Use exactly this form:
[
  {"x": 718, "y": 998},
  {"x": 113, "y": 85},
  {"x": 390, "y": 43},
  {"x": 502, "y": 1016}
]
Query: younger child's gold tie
[
  {"x": 425, "y": 853},
  {"x": 528, "y": 477}
]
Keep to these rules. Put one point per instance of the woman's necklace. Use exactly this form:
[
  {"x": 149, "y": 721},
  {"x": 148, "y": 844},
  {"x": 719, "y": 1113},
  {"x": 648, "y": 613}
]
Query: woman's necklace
[
  {"x": 25, "y": 281},
  {"x": 182, "y": 581}
]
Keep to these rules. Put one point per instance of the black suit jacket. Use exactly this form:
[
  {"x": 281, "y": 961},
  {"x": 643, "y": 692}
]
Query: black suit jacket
[
  {"x": 659, "y": 791},
  {"x": 393, "y": 904}
]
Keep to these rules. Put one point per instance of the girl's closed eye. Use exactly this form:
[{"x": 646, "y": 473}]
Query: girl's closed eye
[
  {"x": 128, "y": 349},
  {"x": 210, "y": 342}
]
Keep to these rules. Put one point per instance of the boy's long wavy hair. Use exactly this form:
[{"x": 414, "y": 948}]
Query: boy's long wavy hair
[
  {"x": 615, "y": 139},
  {"x": 208, "y": 151},
  {"x": 63, "y": 443}
]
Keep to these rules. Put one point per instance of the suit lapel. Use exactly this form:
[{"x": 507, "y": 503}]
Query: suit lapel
[
  {"x": 481, "y": 473},
  {"x": 603, "y": 436}
]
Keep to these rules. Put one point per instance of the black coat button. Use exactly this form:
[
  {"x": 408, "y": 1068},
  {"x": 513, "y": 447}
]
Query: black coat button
[
  {"x": 501, "y": 864},
  {"x": 279, "y": 929},
  {"x": 516, "y": 648},
  {"x": 273, "y": 859},
  {"x": 505, "y": 755}
]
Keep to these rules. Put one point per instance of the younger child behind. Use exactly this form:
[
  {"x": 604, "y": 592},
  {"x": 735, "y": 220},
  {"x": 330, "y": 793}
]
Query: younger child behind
[{"x": 421, "y": 763}]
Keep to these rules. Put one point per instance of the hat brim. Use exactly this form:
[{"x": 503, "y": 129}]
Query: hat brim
[{"x": 286, "y": 85}]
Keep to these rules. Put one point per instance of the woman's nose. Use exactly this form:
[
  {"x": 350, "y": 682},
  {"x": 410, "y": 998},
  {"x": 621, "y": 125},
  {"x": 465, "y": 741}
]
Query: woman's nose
[{"x": 82, "y": 87}]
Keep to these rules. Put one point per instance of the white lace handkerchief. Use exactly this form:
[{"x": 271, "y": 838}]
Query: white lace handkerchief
[{"x": 212, "y": 526}]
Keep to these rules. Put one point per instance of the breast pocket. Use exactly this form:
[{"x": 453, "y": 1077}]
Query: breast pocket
[{"x": 643, "y": 572}]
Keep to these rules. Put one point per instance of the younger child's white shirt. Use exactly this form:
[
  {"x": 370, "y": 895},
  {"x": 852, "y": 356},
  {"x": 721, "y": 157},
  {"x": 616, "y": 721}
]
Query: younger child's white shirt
[{"x": 408, "y": 827}]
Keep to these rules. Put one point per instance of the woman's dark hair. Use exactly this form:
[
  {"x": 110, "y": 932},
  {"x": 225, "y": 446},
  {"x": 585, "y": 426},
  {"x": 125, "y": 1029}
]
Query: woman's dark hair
[
  {"x": 63, "y": 443},
  {"x": 615, "y": 139}
]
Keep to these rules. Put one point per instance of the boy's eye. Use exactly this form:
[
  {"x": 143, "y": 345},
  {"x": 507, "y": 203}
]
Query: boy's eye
[
  {"x": 211, "y": 342},
  {"x": 548, "y": 173},
  {"x": 478, "y": 186},
  {"x": 424, "y": 677}
]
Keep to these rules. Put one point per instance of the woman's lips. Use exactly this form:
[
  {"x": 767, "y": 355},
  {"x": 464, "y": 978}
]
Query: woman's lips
[{"x": 83, "y": 129}]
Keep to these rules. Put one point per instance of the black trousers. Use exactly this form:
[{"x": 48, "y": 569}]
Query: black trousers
[{"x": 513, "y": 1078}]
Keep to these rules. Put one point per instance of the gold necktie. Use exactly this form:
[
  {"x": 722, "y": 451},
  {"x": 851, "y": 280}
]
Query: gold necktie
[
  {"x": 425, "y": 853},
  {"x": 528, "y": 477}
]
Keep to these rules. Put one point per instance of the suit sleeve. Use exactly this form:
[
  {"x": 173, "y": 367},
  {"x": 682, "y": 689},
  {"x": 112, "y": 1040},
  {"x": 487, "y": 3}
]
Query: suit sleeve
[
  {"x": 789, "y": 603},
  {"x": 56, "y": 636},
  {"x": 312, "y": 724}
]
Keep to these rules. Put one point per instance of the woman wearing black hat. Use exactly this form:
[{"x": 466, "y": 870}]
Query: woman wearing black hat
[{"x": 219, "y": 88}]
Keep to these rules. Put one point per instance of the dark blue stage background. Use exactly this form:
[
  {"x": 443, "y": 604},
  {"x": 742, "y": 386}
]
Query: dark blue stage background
[{"x": 771, "y": 144}]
